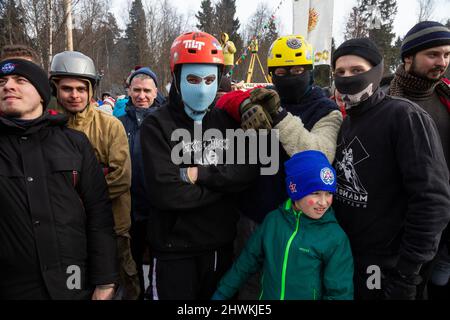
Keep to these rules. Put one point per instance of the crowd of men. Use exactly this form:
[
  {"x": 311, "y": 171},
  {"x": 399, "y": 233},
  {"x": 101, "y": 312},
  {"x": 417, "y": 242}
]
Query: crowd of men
[{"x": 91, "y": 192}]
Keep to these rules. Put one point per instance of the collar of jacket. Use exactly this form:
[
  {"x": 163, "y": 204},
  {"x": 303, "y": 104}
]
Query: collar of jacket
[
  {"x": 374, "y": 100},
  {"x": 130, "y": 109},
  {"x": 82, "y": 119},
  {"x": 313, "y": 107},
  {"x": 48, "y": 119},
  {"x": 443, "y": 91},
  {"x": 291, "y": 215}
]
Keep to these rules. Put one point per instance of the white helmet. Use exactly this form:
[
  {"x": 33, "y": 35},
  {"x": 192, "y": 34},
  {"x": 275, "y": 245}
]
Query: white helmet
[{"x": 73, "y": 64}]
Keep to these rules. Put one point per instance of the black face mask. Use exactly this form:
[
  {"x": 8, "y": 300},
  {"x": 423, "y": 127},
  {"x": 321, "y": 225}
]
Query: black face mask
[
  {"x": 292, "y": 88},
  {"x": 359, "y": 88}
]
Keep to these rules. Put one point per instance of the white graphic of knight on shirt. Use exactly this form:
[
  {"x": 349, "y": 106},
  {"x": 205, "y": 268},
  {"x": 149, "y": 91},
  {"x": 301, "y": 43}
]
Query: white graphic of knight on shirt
[
  {"x": 350, "y": 189},
  {"x": 212, "y": 150}
]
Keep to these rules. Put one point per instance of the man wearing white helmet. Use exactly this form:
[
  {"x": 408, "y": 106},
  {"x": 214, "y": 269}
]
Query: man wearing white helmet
[{"x": 73, "y": 77}]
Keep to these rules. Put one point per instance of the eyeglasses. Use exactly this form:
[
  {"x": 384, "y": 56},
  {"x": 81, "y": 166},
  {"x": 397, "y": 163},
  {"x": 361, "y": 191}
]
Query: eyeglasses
[
  {"x": 283, "y": 71},
  {"x": 193, "y": 79}
]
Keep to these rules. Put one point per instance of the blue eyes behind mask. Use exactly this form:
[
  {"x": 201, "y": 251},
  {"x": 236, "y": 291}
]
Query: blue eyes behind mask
[{"x": 197, "y": 97}]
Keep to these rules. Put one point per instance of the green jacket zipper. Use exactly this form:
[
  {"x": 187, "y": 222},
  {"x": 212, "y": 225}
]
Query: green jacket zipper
[{"x": 286, "y": 252}]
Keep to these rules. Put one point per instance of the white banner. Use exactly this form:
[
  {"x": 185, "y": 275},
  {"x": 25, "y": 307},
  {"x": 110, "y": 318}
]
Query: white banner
[
  {"x": 301, "y": 17},
  {"x": 319, "y": 29}
]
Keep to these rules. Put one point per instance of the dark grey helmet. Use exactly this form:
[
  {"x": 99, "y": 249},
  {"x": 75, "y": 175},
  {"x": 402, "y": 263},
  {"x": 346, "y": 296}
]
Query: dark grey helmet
[{"x": 73, "y": 64}]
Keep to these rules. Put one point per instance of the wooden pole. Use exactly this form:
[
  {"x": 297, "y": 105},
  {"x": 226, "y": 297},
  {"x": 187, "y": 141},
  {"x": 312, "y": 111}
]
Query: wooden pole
[
  {"x": 69, "y": 27},
  {"x": 50, "y": 34}
]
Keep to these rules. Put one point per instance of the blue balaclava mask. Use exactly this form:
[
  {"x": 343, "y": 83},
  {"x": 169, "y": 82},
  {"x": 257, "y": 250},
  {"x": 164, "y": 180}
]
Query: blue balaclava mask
[{"x": 198, "y": 95}]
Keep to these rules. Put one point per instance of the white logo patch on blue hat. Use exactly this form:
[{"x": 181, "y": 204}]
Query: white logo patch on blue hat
[
  {"x": 327, "y": 176},
  {"x": 8, "y": 68}
]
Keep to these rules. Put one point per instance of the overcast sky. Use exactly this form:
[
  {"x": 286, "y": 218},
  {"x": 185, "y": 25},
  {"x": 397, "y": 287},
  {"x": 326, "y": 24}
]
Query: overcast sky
[{"x": 406, "y": 16}]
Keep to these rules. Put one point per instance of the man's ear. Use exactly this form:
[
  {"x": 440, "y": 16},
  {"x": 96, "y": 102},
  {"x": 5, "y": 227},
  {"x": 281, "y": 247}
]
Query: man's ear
[{"x": 408, "y": 60}]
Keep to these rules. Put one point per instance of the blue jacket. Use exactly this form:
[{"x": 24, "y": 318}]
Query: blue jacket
[
  {"x": 139, "y": 190},
  {"x": 119, "y": 107}
]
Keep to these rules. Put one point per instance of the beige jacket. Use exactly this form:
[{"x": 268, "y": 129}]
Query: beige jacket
[
  {"x": 109, "y": 139},
  {"x": 323, "y": 136}
]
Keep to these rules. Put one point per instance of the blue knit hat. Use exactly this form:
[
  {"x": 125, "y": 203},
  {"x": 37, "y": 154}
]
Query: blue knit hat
[
  {"x": 424, "y": 35},
  {"x": 147, "y": 71},
  {"x": 308, "y": 172}
]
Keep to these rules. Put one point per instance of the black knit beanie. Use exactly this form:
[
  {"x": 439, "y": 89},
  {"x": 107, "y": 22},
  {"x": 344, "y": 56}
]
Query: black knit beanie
[
  {"x": 362, "y": 47},
  {"x": 424, "y": 35},
  {"x": 31, "y": 71}
]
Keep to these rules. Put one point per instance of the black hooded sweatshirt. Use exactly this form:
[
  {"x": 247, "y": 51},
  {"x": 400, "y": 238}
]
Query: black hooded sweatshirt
[
  {"x": 393, "y": 195},
  {"x": 188, "y": 219}
]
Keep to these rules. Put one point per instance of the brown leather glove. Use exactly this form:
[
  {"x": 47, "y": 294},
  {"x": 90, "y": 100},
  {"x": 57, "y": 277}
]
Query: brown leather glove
[
  {"x": 268, "y": 99},
  {"x": 254, "y": 116}
]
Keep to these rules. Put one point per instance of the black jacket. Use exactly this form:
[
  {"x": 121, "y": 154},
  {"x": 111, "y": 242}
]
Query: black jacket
[
  {"x": 393, "y": 195},
  {"x": 55, "y": 213},
  {"x": 139, "y": 190},
  {"x": 186, "y": 219}
]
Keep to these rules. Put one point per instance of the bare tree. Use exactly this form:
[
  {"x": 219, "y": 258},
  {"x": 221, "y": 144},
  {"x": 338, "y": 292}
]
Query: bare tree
[
  {"x": 164, "y": 24},
  {"x": 426, "y": 8},
  {"x": 261, "y": 26}
]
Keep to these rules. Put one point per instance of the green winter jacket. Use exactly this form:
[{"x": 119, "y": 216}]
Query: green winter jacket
[{"x": 302, "y": 258}]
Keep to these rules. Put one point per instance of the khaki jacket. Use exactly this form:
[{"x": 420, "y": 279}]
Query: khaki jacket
[{"x": 109, "y": 140}]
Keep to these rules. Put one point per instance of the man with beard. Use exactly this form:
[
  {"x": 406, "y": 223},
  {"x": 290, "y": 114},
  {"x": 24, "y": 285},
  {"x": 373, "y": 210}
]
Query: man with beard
[
  {"x": 395, "y": 222},
  {"x": 426, "y": 54}
]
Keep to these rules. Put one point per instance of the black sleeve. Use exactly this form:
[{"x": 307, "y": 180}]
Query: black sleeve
[
  {"x": 234, "y": 177},
  {"x": 227, "y": 178},
  {"x": 102, "y": 247},
  {"x": 168, "y": 191},
  {"x": 425, "y": 177}
]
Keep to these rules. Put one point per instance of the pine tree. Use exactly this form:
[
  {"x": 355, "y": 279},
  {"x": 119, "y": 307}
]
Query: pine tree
[
  {"x": 136, "y": 33},
  {"x": 356, "y": 24},
  {"x": 375, "y": 19},
  {"x": 395, "y": 52},
  {"x": 12, "y": 24},
  {"x": 225, "y": 10},
  {"x": 260, "y": 24},
  {"x": 206, "y": 17},
  {"x": 109, "y": 33},
  {"x": 225, "y": 21},
  {"x": 384, "y": 36}
]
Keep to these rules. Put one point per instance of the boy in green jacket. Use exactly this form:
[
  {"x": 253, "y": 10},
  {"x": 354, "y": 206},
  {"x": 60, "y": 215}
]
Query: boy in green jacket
[{"x": 304, "y": 253}]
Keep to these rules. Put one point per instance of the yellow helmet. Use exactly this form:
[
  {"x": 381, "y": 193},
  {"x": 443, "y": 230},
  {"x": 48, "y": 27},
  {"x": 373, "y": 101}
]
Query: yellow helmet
[{"x": 290, "y": 50}]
